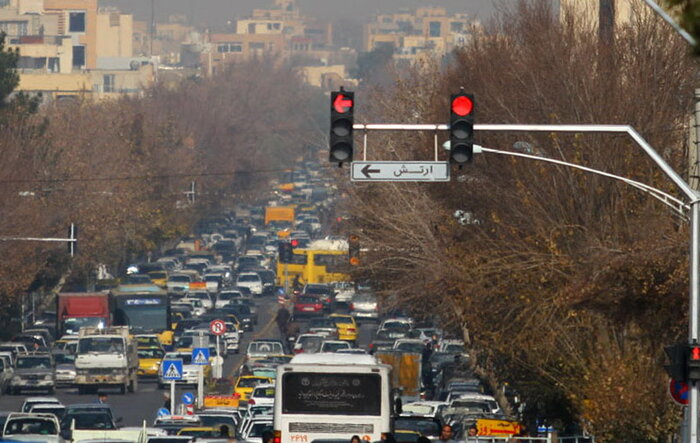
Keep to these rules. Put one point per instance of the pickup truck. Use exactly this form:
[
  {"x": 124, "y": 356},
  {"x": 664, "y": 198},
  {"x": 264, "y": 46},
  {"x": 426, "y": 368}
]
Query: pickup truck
[{"x": 33, "y": 372}]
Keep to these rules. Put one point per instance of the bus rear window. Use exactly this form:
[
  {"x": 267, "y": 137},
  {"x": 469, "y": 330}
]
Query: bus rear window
[{"x": 331, "y": 394}]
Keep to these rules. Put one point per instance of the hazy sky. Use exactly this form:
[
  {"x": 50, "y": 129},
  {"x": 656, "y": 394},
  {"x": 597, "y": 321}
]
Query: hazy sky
[{"x": 215, "y": 13}]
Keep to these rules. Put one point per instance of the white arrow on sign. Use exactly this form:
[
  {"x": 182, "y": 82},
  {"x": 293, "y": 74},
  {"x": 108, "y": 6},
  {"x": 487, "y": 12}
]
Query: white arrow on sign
[{"x": 411, "y": 171}]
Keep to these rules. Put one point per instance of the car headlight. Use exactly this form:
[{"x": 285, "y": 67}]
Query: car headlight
[{"x": 48, "y": 377}]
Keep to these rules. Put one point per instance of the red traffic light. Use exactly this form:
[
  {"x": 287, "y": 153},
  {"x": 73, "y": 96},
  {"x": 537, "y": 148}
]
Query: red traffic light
[
  {"x": 342, "y": 104},
  {"x": 695, "y": 353},
  {"x": 462, "y": 105},
  {"x": 295, "y": 243}
]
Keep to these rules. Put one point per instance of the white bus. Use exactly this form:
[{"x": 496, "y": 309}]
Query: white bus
[{"x": 326, "y": 396}]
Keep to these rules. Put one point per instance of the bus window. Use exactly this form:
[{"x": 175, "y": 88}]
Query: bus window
[
  {"x": 298, "y": 259},
  {"x": 334, "y": 263}
]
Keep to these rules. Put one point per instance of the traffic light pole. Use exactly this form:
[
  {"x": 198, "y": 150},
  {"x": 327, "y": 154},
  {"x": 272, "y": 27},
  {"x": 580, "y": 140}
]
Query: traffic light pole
[{"x": 691, "y": 195}]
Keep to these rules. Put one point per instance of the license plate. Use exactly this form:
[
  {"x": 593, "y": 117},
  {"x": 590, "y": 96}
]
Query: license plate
[{"x": 308, "y": 308}]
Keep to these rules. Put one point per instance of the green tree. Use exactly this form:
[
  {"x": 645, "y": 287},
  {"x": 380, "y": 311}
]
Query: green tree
[{"x": 9, "y": 79}]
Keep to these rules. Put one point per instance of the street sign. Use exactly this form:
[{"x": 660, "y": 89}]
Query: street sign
[
  {"x": 172, "y": 369},
  {"x": 187, "y": 398},
  {"x": 678, "y": 391},
  {"x": 162, "y": 412},
  {"x": 382, "y": 171},
  {"x": 217, "y": 327},
  {"x": 200, "y": 356}
]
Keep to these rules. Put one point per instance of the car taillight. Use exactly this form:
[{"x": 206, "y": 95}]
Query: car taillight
[
  {"x": 318, "y": 306},
  {"x": 352, "y": 306},
  {"x": 371, "y": 345},
  {"x": 251, "y": 402},
  {"x": 351, "y": 330}
]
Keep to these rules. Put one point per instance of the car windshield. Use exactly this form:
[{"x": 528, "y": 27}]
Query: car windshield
[
  {"x": 180, "y": 278},
  {"x": 332, "y": 347},
  {"x": 218, "y": 420},
  {"x": 251, "y": 382},
  {"x": 64, "y": 358},
  {"x": 33, "y": 363},
  {"x": 264, "y": 393},
  {"x": 426, "y": 427},
  {"x": 90, "y": 421},
  {"x": 101, "y": 345},
  {"x": 31, "y": 426},
  {"x": 258, "y": 429},
  {"x": 321, "y": 323},
  {"x": 265, "y": 347},
  {"x": 248, "y": 278},
  {"x": 471, "y": 405},
  {"x": 397, "y": 325},
  {"x": 343, "y": 320},
  {"x": 151, "y": 353}
]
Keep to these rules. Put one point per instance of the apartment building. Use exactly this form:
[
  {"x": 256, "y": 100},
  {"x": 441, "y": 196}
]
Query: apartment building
[{"x": 425, "y": 31}]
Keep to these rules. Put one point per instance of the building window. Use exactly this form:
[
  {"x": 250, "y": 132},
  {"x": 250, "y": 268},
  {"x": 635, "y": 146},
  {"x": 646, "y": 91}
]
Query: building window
[
  {"x": 229, "y": 47},
  {"x": 78, "y": 56},
  {"x": 76, "y": 22},
  {"x": 108, "y": 83},
  {"x": 276, "y": 26},
  {"x": 434, "y": 29},
  {"x": 456, "y": 26},
  {"x": 4, "y": 3},
  {"x": 256, "y": 45}
]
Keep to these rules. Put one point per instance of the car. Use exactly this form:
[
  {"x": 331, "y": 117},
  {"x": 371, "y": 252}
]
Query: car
[
  {"x": 246, "y": 301},
  {"x": 382, "y": 341},
  {"x": 31, "y": 427},
  {"x": 308, "y": 343},
  {"x": 264, "y": 348},
  {"x": 33, "y": 372},
  {"x": 48, "y": 408},
  {"x": 364, "y": 306},
  {"x": 245, "y": 384},
  {"x": 198, "y": 308},
  {"x": 325, "y": 327},
  {"x": 424, "y": 408},
  {"x": 179, "y": 282},
  {"x": 65, "y": 367},
  {"x": 173, "y": 423},
  {"x": 214, "y": 281},
  {"x": 225, "y": 297},
  {"x": 428, "y": 426},
  {"x": 473, "y": 402},
  {"x": 307, "y": 306},
  {"x": 252, "y": 281},
  {"x": 87, "y": 420},
  {"x": 334, "y": 345},
  {"x": 149, "y": 361},
  {"x": 242, "y": 313},
  {"x": 204, "y": 296},
  {"x": 216, "y": 419},
  {"x": 262, "y": 395},
  {"x": 253, "y": 430},
  {"x": 32, "y": 401},
  {"x": 454, "y": 346},
  {"x": 159, "y": 278},
  {"x": 347, "y": 327}
]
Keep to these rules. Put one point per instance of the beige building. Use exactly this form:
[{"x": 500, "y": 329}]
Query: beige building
[
  {"x": 426, "y": 31},
  {"x": 78, "y": 20},
  {"x": 114, "y": 34}
]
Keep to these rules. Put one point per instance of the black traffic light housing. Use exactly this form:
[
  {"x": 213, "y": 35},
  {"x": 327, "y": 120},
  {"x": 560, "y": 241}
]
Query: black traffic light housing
[
  {"x": 354, "y": 249},
  {"x": 461, "y": 128},
  {"x": 677, "y": 368},
  {"x": 342, "y": 119},
  {"x": 693, "y": 356},
  {"x": 284, "y": 250}
]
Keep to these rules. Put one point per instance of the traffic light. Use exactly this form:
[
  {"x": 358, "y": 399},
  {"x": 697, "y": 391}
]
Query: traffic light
[
  {"x": 73, "y": 242},
  {"x": 284, "y": 250},
  {"x": 461, "y": 128},
  {"x": 693, "y": 356},
  {"x": 677, "y": 368},
  {"x": 341, "y": 143},
  {"x": 354, "y": 249}
]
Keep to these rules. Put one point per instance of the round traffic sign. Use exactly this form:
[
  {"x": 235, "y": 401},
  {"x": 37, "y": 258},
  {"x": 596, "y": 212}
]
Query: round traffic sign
[
  {"x": 187, "y": 398},
  {"x": 217, "y": 327},
  {"x": 679, "y": 391},
  {"x": 162, "y": 412}
]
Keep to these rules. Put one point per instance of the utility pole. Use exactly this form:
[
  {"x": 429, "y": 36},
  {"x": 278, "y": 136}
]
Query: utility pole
[{"x": 694, "y": 146}]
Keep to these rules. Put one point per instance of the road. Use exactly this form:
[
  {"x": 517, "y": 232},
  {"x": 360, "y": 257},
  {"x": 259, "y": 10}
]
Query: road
[{"x": 142, "y": 405}]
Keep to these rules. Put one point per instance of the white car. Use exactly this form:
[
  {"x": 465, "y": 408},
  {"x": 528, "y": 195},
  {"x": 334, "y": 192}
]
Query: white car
[
  {"x": 31, "y": 427},
  {"x": 204, "y": 296},
  {"x": 263, "y": 395},
  {"x": 225, "y": 297},
  {"x": 197, "y": 305},
  {"x": 473, "y": 402},
  {"x": 334, "y": 345},
  {"x": 251, "y": 431},
  {"x": 31, "y": 401},
  {"x": 252, "y": 281},
  {"x": 424, "y": 408},
  {"x": 214, "y": 281},
  {"x": 178, "y": 282}
]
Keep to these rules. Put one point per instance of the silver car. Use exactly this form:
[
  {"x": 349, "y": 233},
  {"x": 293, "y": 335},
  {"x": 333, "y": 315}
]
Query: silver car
[{"x": 364, "y": 306}]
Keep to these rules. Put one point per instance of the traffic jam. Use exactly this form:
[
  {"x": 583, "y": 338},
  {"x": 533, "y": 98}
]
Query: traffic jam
[{"x": 251, "y": 328}]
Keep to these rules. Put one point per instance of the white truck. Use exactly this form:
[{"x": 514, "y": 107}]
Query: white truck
[{"x": 106, "y": 357}]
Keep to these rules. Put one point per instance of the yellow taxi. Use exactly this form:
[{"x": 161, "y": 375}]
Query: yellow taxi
[
  {"x": 149, "y": 361},
  {"x": 246, "y": 383},
  {"x": 347, "y": 328},
  {"x": 200, "y": 432},
  {"x": 159, "y": 278},
  {"x": 148, "y": 341}
]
